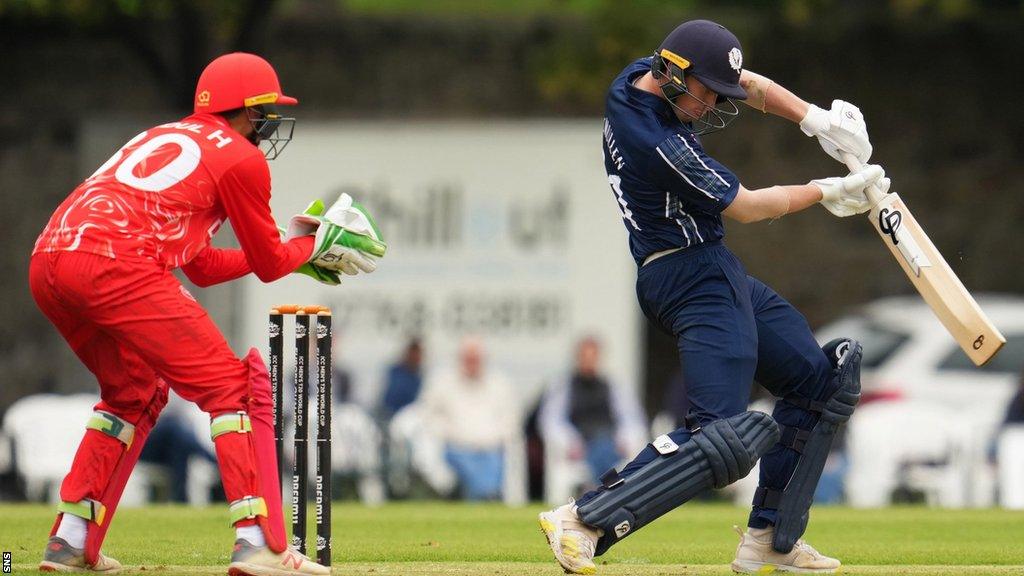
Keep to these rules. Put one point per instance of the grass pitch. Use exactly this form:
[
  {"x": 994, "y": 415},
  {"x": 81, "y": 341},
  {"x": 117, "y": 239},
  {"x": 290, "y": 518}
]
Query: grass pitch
[{"x": 427, "y": 539}]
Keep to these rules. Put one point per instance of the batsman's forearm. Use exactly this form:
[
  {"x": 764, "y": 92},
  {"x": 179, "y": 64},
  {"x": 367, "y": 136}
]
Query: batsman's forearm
[
  {"x": 771, "y": 97},
  {"x": 772, "y": 202},
  {"x": 802, "y": 196}
]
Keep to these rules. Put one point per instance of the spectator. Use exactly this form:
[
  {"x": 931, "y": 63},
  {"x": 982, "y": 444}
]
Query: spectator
[
  {"x": 171, "y": 443},
  {"x": 595, "y": 419},
  {"x": 472, "y": 411},
  {"x": 1015, "y": 411},
  {"x": 342, "y": 387},
  {"x": 403, "y": 380}
]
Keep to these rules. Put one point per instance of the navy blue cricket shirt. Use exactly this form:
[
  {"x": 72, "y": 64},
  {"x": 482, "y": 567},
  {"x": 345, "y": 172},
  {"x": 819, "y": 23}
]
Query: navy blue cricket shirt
[{"x": 670, "y": 192}]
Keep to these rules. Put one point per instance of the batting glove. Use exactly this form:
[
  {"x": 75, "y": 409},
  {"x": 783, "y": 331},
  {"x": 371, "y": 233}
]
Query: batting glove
[
  {"x": 844, "y": 195},
  {"x": 840, "y": 129}
]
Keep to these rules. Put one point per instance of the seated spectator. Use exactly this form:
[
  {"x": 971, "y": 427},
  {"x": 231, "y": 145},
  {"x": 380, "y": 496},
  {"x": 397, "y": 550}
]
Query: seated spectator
[
  {"x": 341, "y": 379},
  {"x": 403, "y": 380},
  {"x": 1015, "y": 410},
  {"x": 472, "y": 411},
  {"x": 595, "y": 419},
  {"x": 171, "y": 443}
]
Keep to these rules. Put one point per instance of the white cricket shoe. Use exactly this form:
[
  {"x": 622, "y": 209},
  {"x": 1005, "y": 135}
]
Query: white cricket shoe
[
  {"x": 755, "y": 555},
  {"x": 249, "y": 560},
  {"x": 571, "y": 540}
]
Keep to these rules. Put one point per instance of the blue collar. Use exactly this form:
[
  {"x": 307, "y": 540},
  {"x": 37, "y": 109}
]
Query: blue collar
[
  {"x": 650, "y": 99},
  {"x": 655, "y": 102}
]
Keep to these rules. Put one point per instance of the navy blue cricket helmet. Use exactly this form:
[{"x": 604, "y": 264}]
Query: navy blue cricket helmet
[{"x": 710, "y": 53}]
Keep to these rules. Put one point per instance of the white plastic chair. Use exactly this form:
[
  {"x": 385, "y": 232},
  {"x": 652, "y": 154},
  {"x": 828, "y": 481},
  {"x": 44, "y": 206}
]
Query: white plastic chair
[
  {"x": 514, "y": 492},
  {"x": 1010, "y": 453},
  {"x": 6, "y": 453},
  {"x": 356, "y": 447},
  {"x": 414, "y": 451},
  {"x": 45, "y": 431},
  {"x": 563, "y": 476},
  {"x": 911, "y": 443}
]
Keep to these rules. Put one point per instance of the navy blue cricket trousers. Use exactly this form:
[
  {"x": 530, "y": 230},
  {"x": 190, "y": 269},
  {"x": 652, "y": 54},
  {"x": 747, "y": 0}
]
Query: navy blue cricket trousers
[{"x": 732, "y": 329}]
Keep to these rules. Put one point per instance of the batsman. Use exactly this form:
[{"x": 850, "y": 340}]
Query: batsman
[
  {"x": 730, "y": 327},
  {"x": 101, "y": 271}
]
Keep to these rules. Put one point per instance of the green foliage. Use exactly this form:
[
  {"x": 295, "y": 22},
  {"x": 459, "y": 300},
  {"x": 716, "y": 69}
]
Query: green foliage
[
  {"x": 174, "y": 39},
  {"x": 222, "y": 16},
  {"x": 471, "y": 7},
  {"x": 578, "y": 67},
  {"x": 793, "y": 11}
]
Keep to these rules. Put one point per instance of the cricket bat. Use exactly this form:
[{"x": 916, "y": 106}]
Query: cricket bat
[{"x": 931, "y": 275}]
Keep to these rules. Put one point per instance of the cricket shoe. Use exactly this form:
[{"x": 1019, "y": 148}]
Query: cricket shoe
[
  {"x": 249, "y": 560},
  {"x": 63, "y": 557},
  {"x": 570, "y": 539},
  {"x": 755, "y": 555}
]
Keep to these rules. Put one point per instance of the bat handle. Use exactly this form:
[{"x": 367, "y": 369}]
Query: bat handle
[{"x": 873, "y": 193}]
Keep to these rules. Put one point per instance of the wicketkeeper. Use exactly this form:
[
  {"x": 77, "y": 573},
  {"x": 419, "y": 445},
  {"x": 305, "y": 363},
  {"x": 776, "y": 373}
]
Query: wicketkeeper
[
  {"x": 730, "y": 327},
  {"x": 101, "y": 272}
]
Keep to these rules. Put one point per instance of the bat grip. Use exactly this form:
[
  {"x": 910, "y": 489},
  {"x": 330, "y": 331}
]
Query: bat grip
[{"x": 872, "y": 192}]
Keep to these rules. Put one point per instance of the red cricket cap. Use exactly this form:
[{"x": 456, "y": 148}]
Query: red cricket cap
[{"x": 236, "y": 80}]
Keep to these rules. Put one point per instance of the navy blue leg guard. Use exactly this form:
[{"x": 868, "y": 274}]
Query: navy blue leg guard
[
  {"x": 793, "y": 503},
  {"x": 715, "y": 456}
]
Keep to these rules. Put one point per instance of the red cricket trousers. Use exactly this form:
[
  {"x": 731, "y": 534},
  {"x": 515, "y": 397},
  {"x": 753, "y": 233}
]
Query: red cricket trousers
[{"x": 133, "y": 324}]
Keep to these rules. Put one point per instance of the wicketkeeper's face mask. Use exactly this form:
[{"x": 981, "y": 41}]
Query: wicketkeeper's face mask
[{"x": 271, "y": 131}]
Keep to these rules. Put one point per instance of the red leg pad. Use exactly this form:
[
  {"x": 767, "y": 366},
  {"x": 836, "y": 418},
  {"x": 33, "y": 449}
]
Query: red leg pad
[
  {"x": 248, "y": 462},
  {"x": 93, "y": 468},
  {"x": 119, "y": 478},
  {"x": 261, "y": 413}
]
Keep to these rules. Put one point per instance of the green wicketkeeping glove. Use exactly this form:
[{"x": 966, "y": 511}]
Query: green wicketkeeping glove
[
  {"x": 347, "y": 239},
  {"x": 322, "y": 275}
]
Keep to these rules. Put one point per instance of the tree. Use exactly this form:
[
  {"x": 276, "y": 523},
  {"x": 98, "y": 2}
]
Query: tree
[{"x": 174, "y": 39}]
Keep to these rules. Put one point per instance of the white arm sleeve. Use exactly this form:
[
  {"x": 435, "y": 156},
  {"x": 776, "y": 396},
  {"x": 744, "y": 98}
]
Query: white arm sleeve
[
  {"x": 554, "y": 416},
  {"x": 629, "y": 416}
]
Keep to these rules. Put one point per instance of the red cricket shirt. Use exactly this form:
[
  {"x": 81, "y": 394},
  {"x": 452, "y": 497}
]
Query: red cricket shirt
[{"x": 163, "y": 196}]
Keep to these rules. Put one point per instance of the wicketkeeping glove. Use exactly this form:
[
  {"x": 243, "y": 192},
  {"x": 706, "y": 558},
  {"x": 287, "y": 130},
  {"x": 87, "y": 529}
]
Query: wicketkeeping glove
[
  {"x": 347, "y": 239},
  {"x": 844, "y": 195},
  {"x": 840, "y": 129},
  {"x": 322, "y": 275}
]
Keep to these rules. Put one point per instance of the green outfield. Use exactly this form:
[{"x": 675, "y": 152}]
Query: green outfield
[{"x": 463, "y": 539}]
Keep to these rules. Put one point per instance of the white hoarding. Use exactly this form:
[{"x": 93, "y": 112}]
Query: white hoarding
[{"x": 504, "y": 230}]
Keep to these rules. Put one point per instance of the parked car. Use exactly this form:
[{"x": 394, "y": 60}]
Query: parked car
[
  {"x": 909, "y": 354},
  {"x": 912, "y": 362}
]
